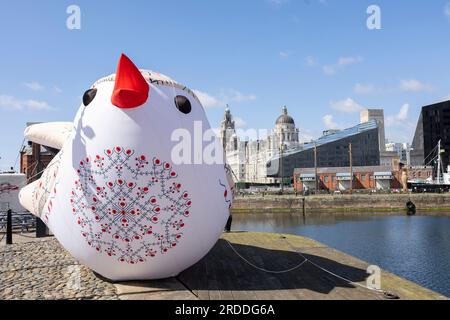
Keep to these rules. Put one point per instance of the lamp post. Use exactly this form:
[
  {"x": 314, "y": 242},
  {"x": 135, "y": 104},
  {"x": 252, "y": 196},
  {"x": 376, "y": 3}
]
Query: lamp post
[
  {"x": 281, "y": 168},
  {"x": 351, "y": 166},
  {"x": 408, "y": 155},
  {"x": 315, "y": 168}
]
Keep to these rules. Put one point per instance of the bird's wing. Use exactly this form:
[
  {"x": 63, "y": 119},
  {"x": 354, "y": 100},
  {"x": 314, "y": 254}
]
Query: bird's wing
[
  {"x": 50, "y": 134},
  {"x": 38, "y": 196},
  {"x": 26, "y": 198}
]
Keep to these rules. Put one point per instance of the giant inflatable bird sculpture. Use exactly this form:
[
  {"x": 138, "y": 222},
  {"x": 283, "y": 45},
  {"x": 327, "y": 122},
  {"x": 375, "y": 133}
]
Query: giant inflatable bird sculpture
[{"x": 116, "y": 196}]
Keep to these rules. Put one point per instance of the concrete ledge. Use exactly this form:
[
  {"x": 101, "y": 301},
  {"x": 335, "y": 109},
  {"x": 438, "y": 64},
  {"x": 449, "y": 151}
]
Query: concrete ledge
[
  {"x": 167, "y": 289},
  {"x": 342, "y": 203},
  {"x": 223, "y": 275}
]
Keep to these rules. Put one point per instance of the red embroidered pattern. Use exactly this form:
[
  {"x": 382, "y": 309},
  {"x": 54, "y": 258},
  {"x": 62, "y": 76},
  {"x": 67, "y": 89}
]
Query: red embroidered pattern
[
  {"x": 137, "y": 211},
  {"x": 45, "y": 192}
]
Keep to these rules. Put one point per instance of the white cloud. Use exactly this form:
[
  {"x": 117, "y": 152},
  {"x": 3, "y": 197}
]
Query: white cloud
[
  {"x": 239, "y": 123},
  {"x": 207, "y": 100},
  {"x": 35, "y": 86},
  {"x": 399, "y": 126},
  {"x": 310, "y": 61},
  {"x": 232, "y": 95},
  {"x": 295, "y": 19},
  {"x": 447, "y": 10},
  {"x": 277, "y": 2},
  {"x": 403, "y": 114},
  {"x": 408, "y": 85},
  {"x": 329, "y": 70},
  {"x": 347, "y": 61},
  {"x": 400, "y": 119},
  {"x": 12, "y": 103},
  {"x": 57, "y": 89},
  {"x": 307, "y": 135},
  {"x": 223, "y": 98},
  {"x": 332, "y": 69},
  {"x": 413, "y": 85},
  {"x": 285, "y": 54},
  {"x": 348, "y": 105},
  {"x": 328, "y": 121},
  {"x": 364, "y": 88}
]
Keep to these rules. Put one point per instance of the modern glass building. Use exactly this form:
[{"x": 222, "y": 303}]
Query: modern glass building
[
  {"x": 332, "y": 151},
  {"x": 433, "y": 125}
]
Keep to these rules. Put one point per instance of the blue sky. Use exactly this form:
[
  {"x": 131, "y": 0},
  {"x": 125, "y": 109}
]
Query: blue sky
[{"x": 316, "y": 56}]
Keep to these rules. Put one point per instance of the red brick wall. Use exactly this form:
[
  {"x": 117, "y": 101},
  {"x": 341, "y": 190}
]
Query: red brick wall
[
  {"x": 28, "y": 167},
  {"x": 359, "y": 182}
]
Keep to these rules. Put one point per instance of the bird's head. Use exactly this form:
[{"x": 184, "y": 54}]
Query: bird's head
[{"x": 139, "y": 102}]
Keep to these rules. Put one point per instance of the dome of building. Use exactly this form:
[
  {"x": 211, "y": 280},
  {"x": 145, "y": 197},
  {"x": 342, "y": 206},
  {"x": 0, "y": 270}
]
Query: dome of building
[{"x": 285, "y": 118}]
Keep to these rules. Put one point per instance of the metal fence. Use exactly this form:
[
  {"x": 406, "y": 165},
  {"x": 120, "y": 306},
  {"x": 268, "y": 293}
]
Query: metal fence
[{"x": 21, "y": 222}]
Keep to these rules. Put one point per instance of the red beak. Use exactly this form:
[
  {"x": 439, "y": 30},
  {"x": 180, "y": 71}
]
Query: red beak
[{"x": 130, "y": 89}]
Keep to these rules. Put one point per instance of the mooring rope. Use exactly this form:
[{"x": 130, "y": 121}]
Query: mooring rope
[
  {"x": 38, "y": 173},
  {"x": 385, "y": 293},
  {"x": 262, "y": 269}
]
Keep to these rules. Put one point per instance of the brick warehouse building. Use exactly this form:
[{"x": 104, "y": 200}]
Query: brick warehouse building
[
  {"x": 34, "y": 158},
  {"x": 334, "y": 179},
  {"x": 28, "y": 164},
  {"x": 364, "y": 178}
]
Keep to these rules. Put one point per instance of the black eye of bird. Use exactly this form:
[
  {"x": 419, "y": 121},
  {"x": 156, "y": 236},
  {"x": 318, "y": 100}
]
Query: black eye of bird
[
  {"x": 182, "y": 103},
  {"x": 89, "y": 96}
]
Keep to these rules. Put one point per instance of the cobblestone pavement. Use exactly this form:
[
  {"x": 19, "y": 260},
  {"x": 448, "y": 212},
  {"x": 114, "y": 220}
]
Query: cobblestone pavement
[{"x": 42, "y": 269}]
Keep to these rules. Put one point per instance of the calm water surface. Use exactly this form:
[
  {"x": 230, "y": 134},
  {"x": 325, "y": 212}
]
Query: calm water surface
[{"x": 416, "y": 248}]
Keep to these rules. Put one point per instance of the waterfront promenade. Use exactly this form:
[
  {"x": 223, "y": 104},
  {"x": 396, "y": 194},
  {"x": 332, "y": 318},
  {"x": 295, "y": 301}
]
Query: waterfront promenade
[{"x": 42, "y": 269}]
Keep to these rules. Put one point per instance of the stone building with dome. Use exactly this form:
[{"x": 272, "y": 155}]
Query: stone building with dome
[
  {"x": 285, "y": 131},
  {"x": 248, "y": 158}
]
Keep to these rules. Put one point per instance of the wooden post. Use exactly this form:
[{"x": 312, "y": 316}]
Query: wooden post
[
  {"x": 9, "y": 239},
  {"x": 41, "y": 228},
  {"x": 303, "y": 206},
  {"x": 351, "y": 167}
]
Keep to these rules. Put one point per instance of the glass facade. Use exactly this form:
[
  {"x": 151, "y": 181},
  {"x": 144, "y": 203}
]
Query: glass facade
[
  {"x": 332, "y": 151},
  {"x": 433, "y": 125}
]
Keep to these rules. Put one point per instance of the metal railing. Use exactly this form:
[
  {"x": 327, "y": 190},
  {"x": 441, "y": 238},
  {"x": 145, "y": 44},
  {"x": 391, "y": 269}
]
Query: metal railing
[{"x": 11, "y": 222}]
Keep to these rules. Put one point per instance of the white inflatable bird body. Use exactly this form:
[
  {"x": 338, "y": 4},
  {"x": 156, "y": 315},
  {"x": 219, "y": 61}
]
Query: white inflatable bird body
[{"x": 117, "y": 196}]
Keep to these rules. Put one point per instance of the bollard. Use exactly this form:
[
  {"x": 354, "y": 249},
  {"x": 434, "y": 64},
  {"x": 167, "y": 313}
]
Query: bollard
[
  {"x": 229, "y": 222},
  {"x": 41, "y": 229},
  {"x": 410, "y": 208},
  {"x": 9, "y": 227}
]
